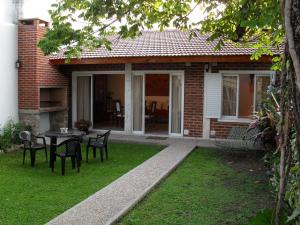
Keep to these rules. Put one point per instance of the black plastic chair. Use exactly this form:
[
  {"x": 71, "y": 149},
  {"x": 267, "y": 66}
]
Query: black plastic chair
[
  {"x": 98, "y": 142},
  {"x": 72, "y": 149},
  {"x": 32, "y": 146},
  {"x": 150, "y": 115}
]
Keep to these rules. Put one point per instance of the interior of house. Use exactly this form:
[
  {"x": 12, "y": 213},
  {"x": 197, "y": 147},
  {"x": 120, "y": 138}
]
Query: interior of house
[
  {"x": 109, "y": 98},
  {"x": 157, "y": 103}
]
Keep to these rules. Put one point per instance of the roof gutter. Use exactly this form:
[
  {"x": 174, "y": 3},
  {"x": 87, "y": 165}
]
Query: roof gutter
[{"x": 160, "y": 59}]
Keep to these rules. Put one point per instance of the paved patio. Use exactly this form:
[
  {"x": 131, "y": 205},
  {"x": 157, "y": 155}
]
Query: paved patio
[
  {"x": 109, "y": 204},
  {"x": 150, "y": 139}
]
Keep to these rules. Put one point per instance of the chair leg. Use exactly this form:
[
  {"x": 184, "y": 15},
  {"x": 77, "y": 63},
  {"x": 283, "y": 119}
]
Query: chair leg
[
  {"x": 32, "y": 157},
  {"x": 52, "y": 166},
  {"x": 24, "y": 153},
  {"x": 101, "y": 154},
  {"x": 87, "y": 153},
  {"x": 73, "y": 162},
  {"x": 106, "y": 152},
  {"x": 78, "y": 163},
  {"x": 46, "y": 154},
  {"x": 94, "y": 152},
  {"x": 63, "y": 164}
]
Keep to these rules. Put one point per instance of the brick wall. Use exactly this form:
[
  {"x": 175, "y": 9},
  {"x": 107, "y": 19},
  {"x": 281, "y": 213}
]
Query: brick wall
[
  {"x": 222, "y": 128},
  {"x": 35, "y": 70},
  {"x": 27, "y": 79},
  {"x": 193, "y": 99}
]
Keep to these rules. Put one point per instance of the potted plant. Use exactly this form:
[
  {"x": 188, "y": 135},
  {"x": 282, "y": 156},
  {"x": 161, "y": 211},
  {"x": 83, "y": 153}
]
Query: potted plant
[{"x": 83, "y": 125}]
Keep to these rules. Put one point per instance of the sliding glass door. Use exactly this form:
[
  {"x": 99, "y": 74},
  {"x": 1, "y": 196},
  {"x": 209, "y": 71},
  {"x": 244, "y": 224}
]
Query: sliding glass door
[
  {"x": 176, "y": 103},
  {"x": 175, "y": 107},
  {"x": 138, "y": 103}
]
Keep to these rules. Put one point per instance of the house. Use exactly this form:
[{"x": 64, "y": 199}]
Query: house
[
  {"x": 161, "y": 83},
  {"x": 9, "y": 13}
]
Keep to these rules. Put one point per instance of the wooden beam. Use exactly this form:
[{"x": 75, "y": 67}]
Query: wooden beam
[{"x": 159, "y": 59}]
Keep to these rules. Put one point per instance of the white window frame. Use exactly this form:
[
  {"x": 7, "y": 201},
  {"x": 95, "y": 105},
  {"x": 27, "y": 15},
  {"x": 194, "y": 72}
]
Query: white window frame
[{"x": 256, "y": 73}]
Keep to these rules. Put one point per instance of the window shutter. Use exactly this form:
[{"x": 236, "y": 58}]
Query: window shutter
[{"x": 212, "y": 95}]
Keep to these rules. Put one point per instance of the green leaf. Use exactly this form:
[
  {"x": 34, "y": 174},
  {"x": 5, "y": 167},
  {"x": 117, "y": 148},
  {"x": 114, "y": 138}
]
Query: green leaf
[
  {"x": 265, "y": 217},
  {"x": 295, "y": 214}
]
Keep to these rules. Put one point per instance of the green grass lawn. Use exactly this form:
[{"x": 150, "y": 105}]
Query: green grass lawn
[
  {"x": 36, "y": 195},
  {"x": 207, "y": 189}
]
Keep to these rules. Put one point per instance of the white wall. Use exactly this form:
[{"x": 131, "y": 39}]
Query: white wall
[
  {"x": 7, "y": 11},
  {"x": 8, "y": 57}
]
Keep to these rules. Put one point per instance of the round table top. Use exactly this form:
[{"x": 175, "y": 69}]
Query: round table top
[{"x": 58, "y": 134}]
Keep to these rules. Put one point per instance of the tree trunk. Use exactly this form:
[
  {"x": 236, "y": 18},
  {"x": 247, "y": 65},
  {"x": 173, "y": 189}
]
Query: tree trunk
[{"x": 290, "y": 96}]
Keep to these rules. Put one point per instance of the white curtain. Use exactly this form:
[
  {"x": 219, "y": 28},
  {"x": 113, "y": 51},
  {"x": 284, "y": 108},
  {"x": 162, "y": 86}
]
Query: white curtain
[
  {"x": 176, "y": 104},
  {"x": 84, "y": 98},
  {"x": 229, "y": 95},
  {"x": 137, "y": 84}
]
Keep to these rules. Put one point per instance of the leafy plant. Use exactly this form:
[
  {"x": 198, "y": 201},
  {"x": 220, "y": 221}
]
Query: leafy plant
[
  {"x": 10, "y": 134},
  {"x": 267, "y": 119},
  {"x": 266, "y": 217},
  {"x": 83, "y": 125}
]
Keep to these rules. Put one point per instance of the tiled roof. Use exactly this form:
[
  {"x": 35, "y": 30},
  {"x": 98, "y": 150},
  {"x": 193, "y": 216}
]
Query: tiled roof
[{"x": 165, "y": 43}]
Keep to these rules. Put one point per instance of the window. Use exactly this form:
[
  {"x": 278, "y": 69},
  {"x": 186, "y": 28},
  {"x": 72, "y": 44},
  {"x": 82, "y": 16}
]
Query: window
[
  {"x": 242, "y": 94},
  {"x": 229, "y": 95}
]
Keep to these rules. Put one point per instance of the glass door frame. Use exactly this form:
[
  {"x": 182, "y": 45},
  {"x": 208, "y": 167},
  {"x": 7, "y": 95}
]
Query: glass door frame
[
  {"x": 171, "y": 74},
  {"x": 90, "y": 74}
]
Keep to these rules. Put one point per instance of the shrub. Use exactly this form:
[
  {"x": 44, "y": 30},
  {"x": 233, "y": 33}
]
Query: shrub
[
  {"x": 10, "y": 134},
  {"x": 83, "y": 125}
]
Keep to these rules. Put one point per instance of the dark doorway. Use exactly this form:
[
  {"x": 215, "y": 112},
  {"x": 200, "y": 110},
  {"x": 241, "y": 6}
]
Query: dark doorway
[
  {"x": 157, "y": 103},
  {"x": 109, "y": 92}
]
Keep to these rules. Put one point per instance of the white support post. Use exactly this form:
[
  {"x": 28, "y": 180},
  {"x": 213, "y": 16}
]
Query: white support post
[
  {"x": 128, "y": 99},
  {"x": 206, "y": 128}
]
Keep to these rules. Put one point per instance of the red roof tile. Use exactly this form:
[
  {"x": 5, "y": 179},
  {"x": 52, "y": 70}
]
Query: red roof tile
[{"x": 165, "y": 43}]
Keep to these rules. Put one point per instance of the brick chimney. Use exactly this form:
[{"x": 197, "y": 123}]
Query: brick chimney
[{"x": 42, "y": 88}]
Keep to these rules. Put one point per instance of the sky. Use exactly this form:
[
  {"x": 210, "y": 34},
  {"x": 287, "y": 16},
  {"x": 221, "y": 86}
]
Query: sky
[{"x": 39, "y": 9}]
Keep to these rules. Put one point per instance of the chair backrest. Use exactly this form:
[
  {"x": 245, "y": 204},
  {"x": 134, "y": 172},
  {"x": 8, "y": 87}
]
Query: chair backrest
[
  {"x": 72, "y": 147},
  {"x": 237, "y": 133},
  {"x": 118, "y": 107},
  {"x": 106, "y": 136},
  {"x": 25, "y": 137},
  {"x": 153, "y": 107},
  {"x": 251, "y": 134}
]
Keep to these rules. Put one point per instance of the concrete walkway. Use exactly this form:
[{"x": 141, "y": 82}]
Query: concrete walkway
[{"x": 109, "y": 204}]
